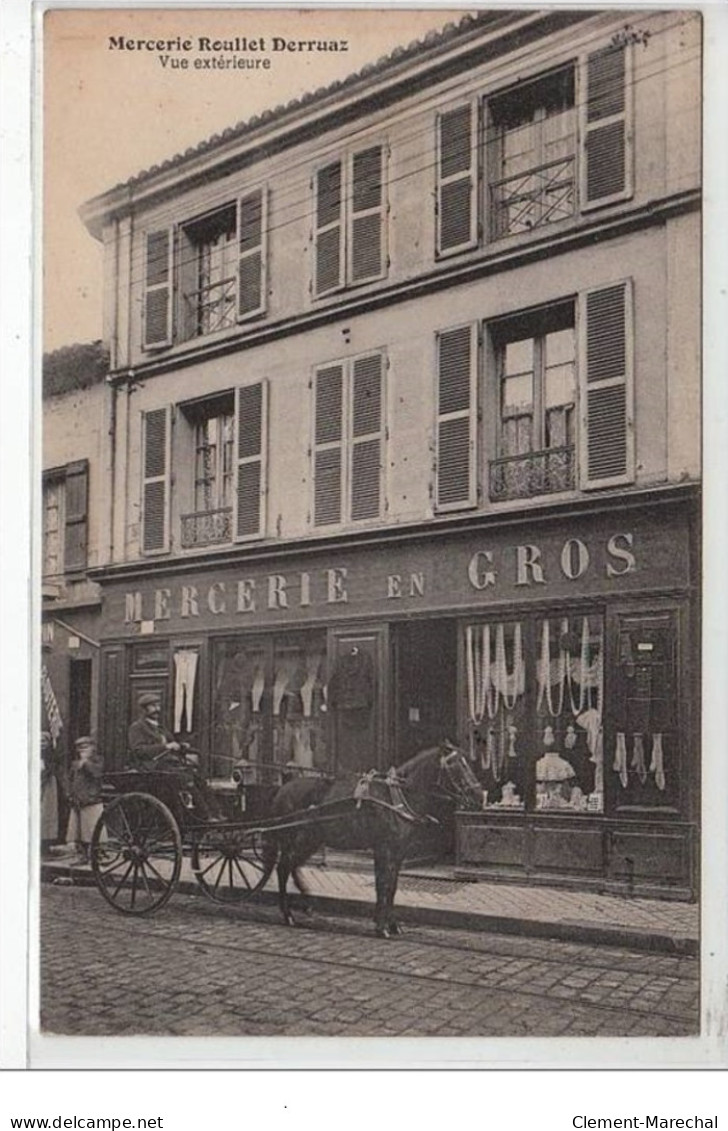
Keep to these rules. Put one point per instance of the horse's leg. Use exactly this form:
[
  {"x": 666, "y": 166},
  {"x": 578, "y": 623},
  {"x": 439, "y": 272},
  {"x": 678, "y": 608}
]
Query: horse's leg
[
  {"x": 395, "y": 927},
  {"x": 303, "y": 889},
  {"x": 284, "y": 871},
  {"x": 384, "y": 869}
]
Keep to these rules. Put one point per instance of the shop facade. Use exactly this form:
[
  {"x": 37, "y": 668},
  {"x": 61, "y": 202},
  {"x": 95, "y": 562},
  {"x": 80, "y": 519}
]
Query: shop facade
[{"x": 559, "y": 648}]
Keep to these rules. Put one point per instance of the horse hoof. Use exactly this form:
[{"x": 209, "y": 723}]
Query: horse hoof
[
  {"x": 395, "y": 929},
  {"x": 383, "y": 933}
]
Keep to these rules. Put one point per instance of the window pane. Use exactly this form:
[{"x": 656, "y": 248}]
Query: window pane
[
  {"x": 559, "y": 385},
  {"x": 517, "y": 394},
  {"x": 519, "y": 357},
  {"x": 560, "y": 347}
]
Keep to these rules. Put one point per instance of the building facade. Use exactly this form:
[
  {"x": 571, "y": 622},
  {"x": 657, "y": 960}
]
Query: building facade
[
  {"x": 404, "y": 419},
  {"x": 75, "y": 403}
]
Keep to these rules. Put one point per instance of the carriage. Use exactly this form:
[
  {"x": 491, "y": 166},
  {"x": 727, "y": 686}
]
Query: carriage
[{"x": 152, "y": 822}]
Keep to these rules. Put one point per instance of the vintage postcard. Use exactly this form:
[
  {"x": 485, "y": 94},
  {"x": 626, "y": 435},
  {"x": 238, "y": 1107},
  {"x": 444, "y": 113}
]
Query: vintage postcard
[{"x": 369, "y": 587}]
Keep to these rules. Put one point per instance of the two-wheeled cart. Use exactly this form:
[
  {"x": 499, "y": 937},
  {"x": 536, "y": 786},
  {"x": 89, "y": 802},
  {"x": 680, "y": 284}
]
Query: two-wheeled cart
[{"x": 150, "y": 826}]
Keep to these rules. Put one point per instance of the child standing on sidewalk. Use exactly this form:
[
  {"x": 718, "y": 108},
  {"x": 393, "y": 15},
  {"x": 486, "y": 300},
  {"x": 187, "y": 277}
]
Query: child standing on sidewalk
[{"x": 84, "y": 794}]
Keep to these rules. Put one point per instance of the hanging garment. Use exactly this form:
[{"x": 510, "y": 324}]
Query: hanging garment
[
  {"x": 638, "y": 757},
  {"x": 512, "y": 735},
  {"x": 302, "y": 752},
  {"x": 620, "y": 759},
  {"x": 258, "y": 688},
  {"x": 657, "y": 762},
  {"x": 313, "y": 663},
  {"x": 284, "y": 674},
  {"x": 185, "y": 670}
]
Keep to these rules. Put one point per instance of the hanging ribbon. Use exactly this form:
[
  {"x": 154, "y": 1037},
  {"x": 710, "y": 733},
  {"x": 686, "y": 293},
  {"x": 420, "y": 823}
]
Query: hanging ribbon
[
  {"x": 55, "y": 721},
  {"x": 657, "y": 762},
  {"x": 487, "y": 754},
  {"x": 516, "y": 681},
  {"x": 638, "y": 758},
  {"x": 620, "y": 759},
  {"x": 544, "y": 675}
]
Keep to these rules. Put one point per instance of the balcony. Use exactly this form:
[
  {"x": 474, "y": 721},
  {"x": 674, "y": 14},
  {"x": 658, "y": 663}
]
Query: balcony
[
  {"x": 207, "y": 528},
  {"x": 211, "y": 307},
  {"x": 529, "y": 200},
  {"x": 532, "y": 474}
]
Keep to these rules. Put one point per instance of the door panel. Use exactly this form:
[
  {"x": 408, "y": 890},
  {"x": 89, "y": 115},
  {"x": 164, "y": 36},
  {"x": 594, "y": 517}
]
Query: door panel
[{"x": 356, "y": 698}]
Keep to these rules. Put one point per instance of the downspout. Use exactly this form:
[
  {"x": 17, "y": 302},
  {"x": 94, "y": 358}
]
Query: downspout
[{"x": 112, "y": 417}]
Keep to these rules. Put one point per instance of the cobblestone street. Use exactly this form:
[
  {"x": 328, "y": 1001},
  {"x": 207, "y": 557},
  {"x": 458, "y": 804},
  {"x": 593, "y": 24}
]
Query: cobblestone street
[{"x": 196, "y": 969}]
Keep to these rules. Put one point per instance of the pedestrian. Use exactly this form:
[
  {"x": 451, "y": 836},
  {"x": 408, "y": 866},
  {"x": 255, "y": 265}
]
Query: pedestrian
[
  {"x": 84, "y": 794},
  {"x": 49, "y": 824}
]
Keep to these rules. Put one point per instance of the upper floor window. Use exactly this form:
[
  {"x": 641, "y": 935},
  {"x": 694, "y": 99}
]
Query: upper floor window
[
  {"x": 348, "y": 449},
  {"x": 224, "y": 448},
  {"x": 207, "y": 274},
  {"x": 65, "y": 519},
  {"x": 545, "y": 154},
  {"x": 350, "y": 232},
  {"x": 536, "y": 375},
  {"x": 557, "y": 409}
]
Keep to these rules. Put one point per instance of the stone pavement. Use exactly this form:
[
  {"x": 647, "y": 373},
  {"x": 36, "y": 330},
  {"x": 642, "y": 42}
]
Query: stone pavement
[{"x": 430, "y": 895}]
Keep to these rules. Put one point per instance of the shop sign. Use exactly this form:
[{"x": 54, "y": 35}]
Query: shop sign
[{"x": 454, "y": 575}]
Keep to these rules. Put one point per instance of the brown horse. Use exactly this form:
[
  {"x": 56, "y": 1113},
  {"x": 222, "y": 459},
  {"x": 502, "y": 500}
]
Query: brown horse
[{"x": 378, "y": 812}]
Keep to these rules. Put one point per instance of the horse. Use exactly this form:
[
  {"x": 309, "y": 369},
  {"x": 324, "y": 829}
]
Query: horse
[{"x": 386, "y": 812}]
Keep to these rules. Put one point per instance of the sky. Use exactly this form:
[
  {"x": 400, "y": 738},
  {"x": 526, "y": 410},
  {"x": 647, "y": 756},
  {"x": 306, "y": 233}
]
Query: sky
[{"x": 109, "y": 113}]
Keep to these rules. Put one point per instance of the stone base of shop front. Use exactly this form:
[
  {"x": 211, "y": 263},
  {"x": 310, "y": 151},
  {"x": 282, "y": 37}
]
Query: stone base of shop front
[{"x": 635, "y": 857}]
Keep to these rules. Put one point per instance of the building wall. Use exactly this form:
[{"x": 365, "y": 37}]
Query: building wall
[{"x": 664, "y": 90}]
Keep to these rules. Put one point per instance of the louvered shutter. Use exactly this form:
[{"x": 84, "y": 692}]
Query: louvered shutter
[
  {"x": 328, "y": 432},
  {"x": 456, "y": 418},
  {"x": 329, "y": 249},
  {"x": 76, "y": 526},
  {"x": 252, "y": 232},
  {"x": 606, "y": 167},
  {"x": 456, "y": 179},
  {"x": 155, "y": 483},
  {"x": 366, "y": 437},
  {"x": 158, "y": 289},
  {"x": 606, "y": 387},
  {"x": 367, "y": 215},
  {"x": 251, "y": 428}
]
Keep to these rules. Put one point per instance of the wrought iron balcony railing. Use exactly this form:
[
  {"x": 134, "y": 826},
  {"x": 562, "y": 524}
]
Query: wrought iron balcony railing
[
  {"x": 211, "y": 307},
  {"x": 536, "y": 473},
  {"x": 530, "y": 199},
  {"x": 207, "y": 528}
]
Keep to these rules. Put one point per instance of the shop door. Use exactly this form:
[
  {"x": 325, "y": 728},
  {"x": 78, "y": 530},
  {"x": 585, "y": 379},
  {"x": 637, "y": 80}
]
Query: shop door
[
  {"x": 356, "y": 699},
  {"x": 425, "y": 686},
  {"x": 79, "y": 700}
]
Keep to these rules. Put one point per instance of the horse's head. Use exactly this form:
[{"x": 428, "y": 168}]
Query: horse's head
[{"x": 457, "y": 780}]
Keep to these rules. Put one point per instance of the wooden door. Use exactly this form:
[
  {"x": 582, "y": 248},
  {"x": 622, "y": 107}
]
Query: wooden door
[{"x": 357, "y": 697}]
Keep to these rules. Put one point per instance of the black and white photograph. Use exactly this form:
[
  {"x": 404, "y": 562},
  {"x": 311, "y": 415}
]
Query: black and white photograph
[{"x": 368, "y": 663}]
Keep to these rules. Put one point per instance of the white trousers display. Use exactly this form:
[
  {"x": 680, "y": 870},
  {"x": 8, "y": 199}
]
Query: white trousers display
[{"x": 185, "y": 670}]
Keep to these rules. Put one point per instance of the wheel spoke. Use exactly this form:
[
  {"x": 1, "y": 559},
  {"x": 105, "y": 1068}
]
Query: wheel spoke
[{"x": 122, "y": 881}]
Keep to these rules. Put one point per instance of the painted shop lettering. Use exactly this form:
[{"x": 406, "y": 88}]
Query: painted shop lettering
[{"x": 525, "y": 567}]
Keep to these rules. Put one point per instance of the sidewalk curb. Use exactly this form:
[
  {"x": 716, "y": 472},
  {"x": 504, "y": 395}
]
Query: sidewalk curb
[{"x": 631, "y": 938}]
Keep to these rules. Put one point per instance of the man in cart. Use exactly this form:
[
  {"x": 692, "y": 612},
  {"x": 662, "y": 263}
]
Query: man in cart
[{"x": 152, "y": 747}]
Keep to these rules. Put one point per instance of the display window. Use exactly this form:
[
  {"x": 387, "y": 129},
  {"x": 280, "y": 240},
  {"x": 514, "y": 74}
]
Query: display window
[
  {"x": 269, "y": 703},
  {"x": 535, "y": 706}
]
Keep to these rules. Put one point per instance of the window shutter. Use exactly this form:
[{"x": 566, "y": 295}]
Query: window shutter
[
  {"x": 606, "y": 128},
  {"x": 606, "y": 387},
  {"x": 328, "y": 428},
  {"x": 367, "y": 215},
  {"x": 329, "y": 251},
  {"x": 251, "y": 428},
  {"x": 76, "y": 531},
  {"x": 252, "y": 233},
  {"x": 366, "y": 437},
  {"x": 456, "y": 179},
  {"x": 155, "y": 485},
  {"x": 456, "y": 418},
  {"x": 158, "y": 289}
]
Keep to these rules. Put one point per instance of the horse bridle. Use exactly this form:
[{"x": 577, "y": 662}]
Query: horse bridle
[{"x": 448, "y": 784}]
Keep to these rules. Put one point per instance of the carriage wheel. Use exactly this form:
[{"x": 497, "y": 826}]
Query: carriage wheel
[
  {"x": 228, "y": 864},
  {"x": 136, "y": 854}
]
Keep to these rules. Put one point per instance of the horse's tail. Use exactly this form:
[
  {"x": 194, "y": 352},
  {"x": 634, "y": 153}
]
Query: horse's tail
[{"x": 268, "y": 855}]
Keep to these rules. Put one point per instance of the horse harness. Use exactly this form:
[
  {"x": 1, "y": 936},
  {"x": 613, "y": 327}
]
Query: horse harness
[{"x": 446, "y": 786}]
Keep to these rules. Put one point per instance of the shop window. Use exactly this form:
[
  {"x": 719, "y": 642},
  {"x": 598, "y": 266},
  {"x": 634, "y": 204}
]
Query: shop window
[
  {"x": 65, "y": 519},
  {"x": 214, "y": 264},
  {"x": 535, "y": 710},
  {"x": 644, "y": 761},
  {"x": 350, "y": 231},
  {"x": 535, "y": 370},
  {"x": 544, "y": 156},
  {"x": 269, "y": 704},
  {"x": 348, "y": 449}
]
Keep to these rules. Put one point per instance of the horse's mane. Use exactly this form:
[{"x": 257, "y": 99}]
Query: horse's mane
[{"x": 412, "y": 767}]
